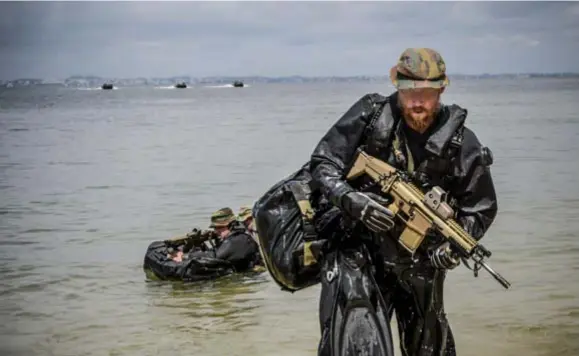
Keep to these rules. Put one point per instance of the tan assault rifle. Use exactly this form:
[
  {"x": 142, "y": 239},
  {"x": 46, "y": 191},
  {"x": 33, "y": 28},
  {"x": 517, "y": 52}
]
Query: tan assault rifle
[{"x": 421, "y": 212}]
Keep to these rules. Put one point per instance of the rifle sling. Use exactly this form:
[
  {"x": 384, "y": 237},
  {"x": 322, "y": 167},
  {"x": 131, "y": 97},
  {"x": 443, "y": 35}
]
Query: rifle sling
[{"x": 301, "y": 193}]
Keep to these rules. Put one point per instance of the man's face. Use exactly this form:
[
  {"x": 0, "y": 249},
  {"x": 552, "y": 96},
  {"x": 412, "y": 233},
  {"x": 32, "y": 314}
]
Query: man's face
[
  {"x": 222, "y": 231},
  {"x": 419, "y": 106}
]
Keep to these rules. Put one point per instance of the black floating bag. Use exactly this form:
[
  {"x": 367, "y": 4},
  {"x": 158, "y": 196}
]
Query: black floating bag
[
  {"x": 157, "y": 265},
  {"x": 358, "y": 322},
  {"x": 289, "y": 228},
  {"x": 284, "y": 220}
]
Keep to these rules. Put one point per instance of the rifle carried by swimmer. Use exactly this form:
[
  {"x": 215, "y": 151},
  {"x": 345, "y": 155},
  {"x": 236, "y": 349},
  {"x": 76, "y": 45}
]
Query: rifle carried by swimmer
[
  {"x": 195, "y": 238},
  {"x": 421, "y": 212}
]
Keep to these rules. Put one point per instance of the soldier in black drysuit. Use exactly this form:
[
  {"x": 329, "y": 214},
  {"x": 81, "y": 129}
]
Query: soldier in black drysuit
[
  {"x": 440, "y": 152},
  {"x": 235, "y": 244},
  {"x": 232, "y": 249}
]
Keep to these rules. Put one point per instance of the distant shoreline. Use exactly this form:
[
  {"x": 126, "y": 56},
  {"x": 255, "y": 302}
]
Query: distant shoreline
[{"x": 96, "y": 81}]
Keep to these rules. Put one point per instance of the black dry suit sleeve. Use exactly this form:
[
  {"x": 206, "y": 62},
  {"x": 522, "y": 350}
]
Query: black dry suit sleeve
[
  {"x": 475, "y": 191},
  {"x": 335, "y": 151},
  {"x": 237, "y": 248}
]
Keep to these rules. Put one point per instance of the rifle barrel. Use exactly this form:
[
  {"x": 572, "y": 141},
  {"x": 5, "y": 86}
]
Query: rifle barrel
[{"x": 496, "y": 275}]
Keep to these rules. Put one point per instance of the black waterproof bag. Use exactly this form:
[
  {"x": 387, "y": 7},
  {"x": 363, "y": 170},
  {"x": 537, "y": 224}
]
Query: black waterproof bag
[
  {"x": 293, "y": 224},
  {"x": 284, "y": 220},
  {"x": 158, "y": 266}
]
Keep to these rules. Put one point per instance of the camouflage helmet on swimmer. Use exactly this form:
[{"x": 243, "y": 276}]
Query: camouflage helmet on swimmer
[{"x": 222, "y": 218}]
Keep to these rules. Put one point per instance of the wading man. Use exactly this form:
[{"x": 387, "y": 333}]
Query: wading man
[{"x": 416, "y": 133}]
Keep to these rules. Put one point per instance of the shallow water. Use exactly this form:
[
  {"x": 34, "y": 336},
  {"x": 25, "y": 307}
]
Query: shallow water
[{"x": 89, "y": 178}]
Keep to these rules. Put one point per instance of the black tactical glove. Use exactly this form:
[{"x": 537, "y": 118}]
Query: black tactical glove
[
  {"x": 369, "y": 209},
  {"x": 443, "y": 257}
]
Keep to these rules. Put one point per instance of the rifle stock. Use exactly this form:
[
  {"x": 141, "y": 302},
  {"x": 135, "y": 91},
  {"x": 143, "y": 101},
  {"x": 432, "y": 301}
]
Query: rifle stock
[{"x": 421, "y": 212}]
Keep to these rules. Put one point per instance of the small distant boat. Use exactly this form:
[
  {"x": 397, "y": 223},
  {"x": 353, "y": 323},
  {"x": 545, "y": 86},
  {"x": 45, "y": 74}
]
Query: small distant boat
[
  {"x": 238, "y": 84},
  {"x": 181, "y": 85},
  {"x": 107, "y": 86}
]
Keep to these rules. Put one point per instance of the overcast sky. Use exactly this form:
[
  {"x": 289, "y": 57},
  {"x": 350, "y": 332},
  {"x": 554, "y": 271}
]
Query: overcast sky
[{"x": 53, "y": 40}]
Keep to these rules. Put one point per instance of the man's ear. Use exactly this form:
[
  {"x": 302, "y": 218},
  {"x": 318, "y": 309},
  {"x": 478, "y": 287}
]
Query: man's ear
[{"x": 442, "y": 90}]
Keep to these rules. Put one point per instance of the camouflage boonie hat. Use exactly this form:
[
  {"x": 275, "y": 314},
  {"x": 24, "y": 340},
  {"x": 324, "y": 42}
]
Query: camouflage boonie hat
[
  {"x": 244, "y": 213},
  {"x": 419, "y": 68},
  {"x": 222, "y": 218}
]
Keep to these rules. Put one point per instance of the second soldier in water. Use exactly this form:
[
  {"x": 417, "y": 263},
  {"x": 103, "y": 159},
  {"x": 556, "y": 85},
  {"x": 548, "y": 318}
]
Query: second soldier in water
[
  {"x": 246, "y": 218},
  {"x": 235, "y": 244}
]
